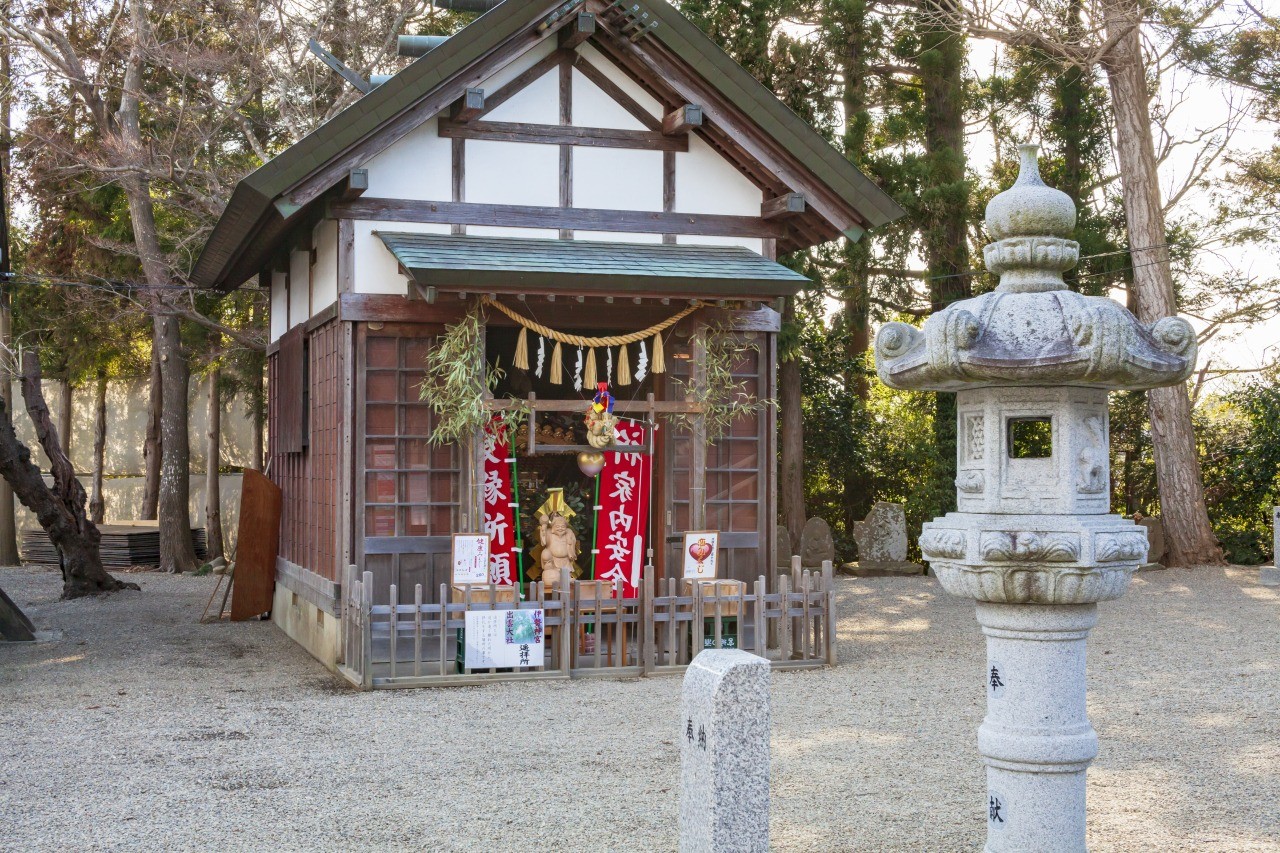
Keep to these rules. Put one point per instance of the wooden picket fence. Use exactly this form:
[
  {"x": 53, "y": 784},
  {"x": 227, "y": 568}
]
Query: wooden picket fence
[{"x": 587, "y": 636}]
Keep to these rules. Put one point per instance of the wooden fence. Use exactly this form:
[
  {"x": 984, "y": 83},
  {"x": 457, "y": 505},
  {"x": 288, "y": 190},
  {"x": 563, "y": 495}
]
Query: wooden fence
[{"x": 587, "y": 634}]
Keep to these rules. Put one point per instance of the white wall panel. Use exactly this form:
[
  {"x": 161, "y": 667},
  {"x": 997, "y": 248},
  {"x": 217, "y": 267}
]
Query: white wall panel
[
  {"x": 324, "y": 274},
  {"x": 526, "y": 233},
  {"x": 755, "y": 244},
  {"x": 616, "y": 237},
  {"x": 299, "y": 284},
  {"x": 593, "y": 108},
  {"x": 537, "y": 103},
  {"x": 279, "y": 306},
  {"x": 708, "y": 183},
  {"x": 376, "y": 270},
  {"x": 521, "y": 64},
  {"x": 513, "y": 173},
  {"x": 617, "y": 179},
  {"x": 420, "y": 165},
  {"x": 625, "y": 83}
]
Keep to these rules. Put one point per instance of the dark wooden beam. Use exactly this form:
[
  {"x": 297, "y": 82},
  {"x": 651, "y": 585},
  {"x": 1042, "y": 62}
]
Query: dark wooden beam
[
  {"x": 519, "y": 216},
  {"x": 469, "y": 107},
  {"x": 683, "y": 120},
  {"x": 357, "y": 183},
  {"x": 550, "y": 134},
  {"x": 582, "y": 28},
  {"x": 614, "y": 91},
  {"x": 784, "y": 206},
  {"x": 392, "y": 308}
]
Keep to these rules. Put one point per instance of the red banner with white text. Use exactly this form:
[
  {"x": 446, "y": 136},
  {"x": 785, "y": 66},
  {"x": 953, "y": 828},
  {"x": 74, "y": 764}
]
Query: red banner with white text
[
  {"x": 623, "y": 522},
  {"x": 499, "y": 508}
]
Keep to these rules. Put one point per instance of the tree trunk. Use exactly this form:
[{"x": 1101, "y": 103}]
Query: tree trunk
[
  {"x": 177, "y": 553},
  {"x": 945, "y": 204},
  {"x": 1188, "y": 534},
  {"x": 60, "y": 509},
  {"x": 98, "y": 501},
  {"x": 151, "y": 449},
  {"x": 790, "y": 401},
  {"x": 213, "y": 491},
  {"x": 856, "y": 315},
  {"x": 8, "y": 524},
  {"x": 65, "y": 402}
]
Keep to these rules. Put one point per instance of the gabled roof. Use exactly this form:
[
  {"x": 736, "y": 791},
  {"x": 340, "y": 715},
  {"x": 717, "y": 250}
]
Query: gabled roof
[
  {"x": 523, "y": 265},
  {"x": 272, "y": 200}
]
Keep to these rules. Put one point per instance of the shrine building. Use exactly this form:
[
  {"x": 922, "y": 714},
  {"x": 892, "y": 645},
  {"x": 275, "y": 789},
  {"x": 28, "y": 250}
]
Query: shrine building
[{"x": 608, "y": 193}]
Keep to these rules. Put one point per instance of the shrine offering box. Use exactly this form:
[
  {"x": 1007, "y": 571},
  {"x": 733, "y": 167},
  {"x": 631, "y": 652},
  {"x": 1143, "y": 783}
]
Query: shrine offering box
[
  {"x": 723, "y": 588},
  {"x": 483, "y": 593}
]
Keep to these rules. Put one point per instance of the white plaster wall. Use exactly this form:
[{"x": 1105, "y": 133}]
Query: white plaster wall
[
  {"x": 501, "y": 78},
  {"x": 755, "y": 244},
  {"x": 537, "y": 103},
  {"x": 587, "y": 97},
  {"x": 279, "y": 306},
  {"x": 376, "y": 270},
  {"x": 526, "y": 233},
  {"x": 617, "y": 179},
  {"x": 617, "y": 237},
  {"x": 593, "y": 108},
  {"x": 324, "y": 274},
  {"x": 419, "y": 166},
  {"x": 513, "y": 173},
  {"x": 708, "y": 183},
  {"x": 299, "y": 284}
]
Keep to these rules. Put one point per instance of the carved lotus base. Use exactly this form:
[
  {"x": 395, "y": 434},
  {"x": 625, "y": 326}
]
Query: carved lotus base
[{"x": 1034, "y": 559}]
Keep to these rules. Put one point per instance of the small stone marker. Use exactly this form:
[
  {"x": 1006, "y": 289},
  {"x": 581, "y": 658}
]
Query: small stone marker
[
  {"x": 1155, "y": 541},
  {"x": 816, "y": 543},
  {"x": 1270, "y": 575},
  {"x": 782, "y": 555},
  {"x": 724, "y": 753},
  {"x": 882, "y": 541}
]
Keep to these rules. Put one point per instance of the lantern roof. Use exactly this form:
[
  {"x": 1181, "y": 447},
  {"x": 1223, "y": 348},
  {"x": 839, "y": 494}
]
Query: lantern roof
[{"x": 1034, "y": 330}]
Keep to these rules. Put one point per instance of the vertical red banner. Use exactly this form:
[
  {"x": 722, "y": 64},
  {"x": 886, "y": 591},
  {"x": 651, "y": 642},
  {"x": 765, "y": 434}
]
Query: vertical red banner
[
  {"x": 499, "y": 507},
  {"x": 623, "y": 523}
]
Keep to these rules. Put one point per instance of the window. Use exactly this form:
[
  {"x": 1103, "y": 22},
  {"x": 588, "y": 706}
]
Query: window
[{"x": 1030, "y": 438}]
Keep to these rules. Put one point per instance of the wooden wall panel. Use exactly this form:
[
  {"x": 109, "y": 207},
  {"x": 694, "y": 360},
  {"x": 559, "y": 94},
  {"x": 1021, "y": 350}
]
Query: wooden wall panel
[{"x": 310, "y": 479}]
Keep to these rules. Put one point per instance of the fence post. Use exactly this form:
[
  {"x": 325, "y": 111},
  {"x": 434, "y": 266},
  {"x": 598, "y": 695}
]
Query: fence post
[
  {"x": 348, "y": 591},
  {"x": 566, "y": 626},
  {"x": 646, "y": 623},
  {"x": 829, "y": 591},
  {"x": 762, "y": 630},
  {"x": 366, "y": 633},
  {"x": 784, "y": 620}
]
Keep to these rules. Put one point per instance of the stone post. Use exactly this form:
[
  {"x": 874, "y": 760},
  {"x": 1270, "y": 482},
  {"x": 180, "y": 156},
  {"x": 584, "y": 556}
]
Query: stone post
[
  {"x": 1270, "y": 575},
  {"x": 1033, "y": 541},
  {"x": 724, "y": 753}
]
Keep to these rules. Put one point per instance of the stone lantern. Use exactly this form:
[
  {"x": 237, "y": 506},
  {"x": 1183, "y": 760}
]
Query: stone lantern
[{"x": 1033, "y": 540}]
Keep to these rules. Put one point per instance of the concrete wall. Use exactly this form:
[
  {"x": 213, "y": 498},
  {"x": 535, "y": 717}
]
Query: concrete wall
[{"x": 124, "y": 466}]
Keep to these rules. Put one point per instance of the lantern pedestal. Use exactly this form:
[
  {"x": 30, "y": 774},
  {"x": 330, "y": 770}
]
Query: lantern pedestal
[{"x": 1036, "y": 739}]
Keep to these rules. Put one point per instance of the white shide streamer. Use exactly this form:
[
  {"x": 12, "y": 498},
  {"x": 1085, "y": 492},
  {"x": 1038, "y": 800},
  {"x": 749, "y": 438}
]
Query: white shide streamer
[
  {"x": 577, "y": 372},
  {"x": 542, "y": 355},
  {"x": 642, "y": 363}
]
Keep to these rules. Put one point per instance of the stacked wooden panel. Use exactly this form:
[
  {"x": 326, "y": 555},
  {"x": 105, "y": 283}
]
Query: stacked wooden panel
[{"x": 124, "y": 545}]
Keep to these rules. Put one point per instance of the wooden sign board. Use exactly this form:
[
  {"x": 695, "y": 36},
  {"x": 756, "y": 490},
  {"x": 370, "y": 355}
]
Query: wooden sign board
[
  {"x": 701, "y": 553},
  {"x": 470, "y": 558},
  {"x": 257, "y": 547}
]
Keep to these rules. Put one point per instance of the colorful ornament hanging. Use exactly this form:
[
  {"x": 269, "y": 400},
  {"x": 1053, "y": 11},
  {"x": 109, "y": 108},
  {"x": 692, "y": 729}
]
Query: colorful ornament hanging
[{"x": 600, "y": 419}]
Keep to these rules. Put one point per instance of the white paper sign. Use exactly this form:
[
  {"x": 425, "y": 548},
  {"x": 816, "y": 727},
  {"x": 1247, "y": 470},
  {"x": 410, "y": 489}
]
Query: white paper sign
[
  {"x": 701, "y": 551},
  {"x": 504, "y": 638},
  {"x": 470, "y": 558}
]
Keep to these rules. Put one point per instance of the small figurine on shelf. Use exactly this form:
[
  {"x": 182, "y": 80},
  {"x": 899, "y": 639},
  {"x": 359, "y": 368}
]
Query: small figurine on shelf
[{"x": 600, "y": 419}]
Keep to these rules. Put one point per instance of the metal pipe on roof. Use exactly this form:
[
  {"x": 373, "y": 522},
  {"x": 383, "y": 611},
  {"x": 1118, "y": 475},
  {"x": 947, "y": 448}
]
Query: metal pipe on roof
[
  {"x": 478, "y": 6},
  {"x": 418, "y": 45}
]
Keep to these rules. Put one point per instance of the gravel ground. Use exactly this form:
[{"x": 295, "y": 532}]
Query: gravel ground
[{"x": 140, "y": 729}]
